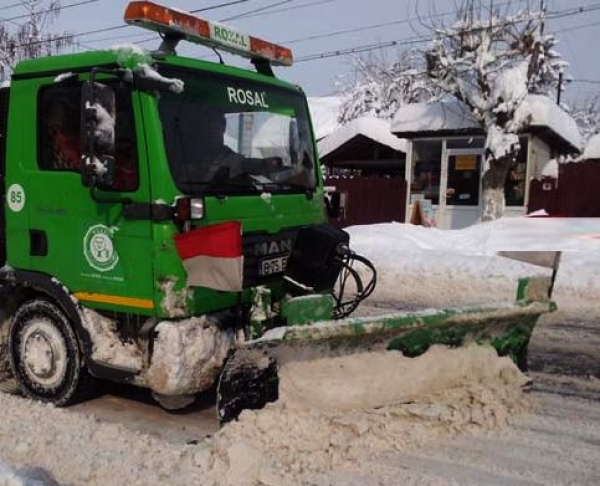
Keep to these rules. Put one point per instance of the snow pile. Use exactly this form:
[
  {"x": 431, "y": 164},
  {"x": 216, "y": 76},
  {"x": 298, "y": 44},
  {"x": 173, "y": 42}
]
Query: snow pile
[
  {"x": 426, "y": 267},
  {"x": 322, "y": 382},
  {"x": 285, "y": 443},
  {"x": 137, "y": 59},
  {"x": 302, "y": 434}
]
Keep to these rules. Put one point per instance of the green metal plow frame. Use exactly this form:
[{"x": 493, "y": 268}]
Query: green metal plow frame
[{"x": 505, "y": 326}]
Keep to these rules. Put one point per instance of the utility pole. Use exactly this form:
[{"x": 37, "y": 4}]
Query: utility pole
[{"x": 559, "y": 88}]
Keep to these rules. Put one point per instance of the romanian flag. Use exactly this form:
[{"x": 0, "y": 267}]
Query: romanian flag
[{"x": 212, "y": 256}]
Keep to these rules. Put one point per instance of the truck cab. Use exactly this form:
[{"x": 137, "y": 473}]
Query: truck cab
[{"x": 113, "y": 160}]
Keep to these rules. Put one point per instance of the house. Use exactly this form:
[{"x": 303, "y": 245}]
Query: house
[
  {"x": 365, "y": 162},
  {"x": 570, "y": 188},
  {"x": 366, "y": 146},
  {"x": 445, "y": 156}
]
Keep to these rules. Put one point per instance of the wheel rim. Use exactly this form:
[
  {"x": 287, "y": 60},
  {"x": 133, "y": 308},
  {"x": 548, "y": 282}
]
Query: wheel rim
[{"x": 44, "y": 353}]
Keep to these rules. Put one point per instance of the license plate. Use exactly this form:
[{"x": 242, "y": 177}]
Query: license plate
[{"x": 270, "y": 266}]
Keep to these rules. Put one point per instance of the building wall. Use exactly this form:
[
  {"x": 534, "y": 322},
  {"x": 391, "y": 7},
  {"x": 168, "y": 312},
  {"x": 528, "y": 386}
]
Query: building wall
[
  {"x": 445, "y": 174},
  {"x": 367, "y": 200}
]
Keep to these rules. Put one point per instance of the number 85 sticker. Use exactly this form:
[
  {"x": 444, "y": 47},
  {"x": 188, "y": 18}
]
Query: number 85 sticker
[{"x": 15, "y": 197}]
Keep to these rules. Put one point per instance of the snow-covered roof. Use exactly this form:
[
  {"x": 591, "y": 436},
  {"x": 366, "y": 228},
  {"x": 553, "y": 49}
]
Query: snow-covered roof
[
  {"x": 452, "y": 115},
  {"x": 543, "y": 112},
  {"x": 376, "y": 129},
  {"x": 324, "y": 112},
  {"x": 434, "y": 116},
  {"x": 592, "y": 148}
]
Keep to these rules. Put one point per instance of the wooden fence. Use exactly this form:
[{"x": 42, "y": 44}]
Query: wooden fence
[
  {"x": 576, "y": 192},
  {"x": 370, "y": 200}
]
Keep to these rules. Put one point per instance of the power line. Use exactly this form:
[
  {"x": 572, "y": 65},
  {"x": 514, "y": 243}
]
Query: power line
[
  {"x": 394, "y": 43},
  {"x": 287, "y": 9},
  {"x": 256, "y": 10},
  {"x": 347, "y": 31},
  {"x": 585, "y": 81},
  {"x": 24, "y": 16},
  {"x": 6, "y": 7},
  {"x": 221, "y": 5},
  {"x": 579, "y": 27},
  {"x": 337, "y": 53},
  {"x": 361, "y": 49}
]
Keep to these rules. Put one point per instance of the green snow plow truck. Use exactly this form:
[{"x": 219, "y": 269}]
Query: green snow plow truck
[{"x": 164, "y": 225}]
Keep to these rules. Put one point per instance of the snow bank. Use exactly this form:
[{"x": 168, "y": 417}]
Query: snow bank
[{"x": 424, "y": 267}]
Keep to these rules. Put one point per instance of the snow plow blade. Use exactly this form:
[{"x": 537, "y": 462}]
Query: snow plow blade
[{"x": 505, "y": 326}]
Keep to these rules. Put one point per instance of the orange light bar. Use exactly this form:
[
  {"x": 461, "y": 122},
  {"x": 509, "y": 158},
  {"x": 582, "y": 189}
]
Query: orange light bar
[{"x": 194, "y": 29}]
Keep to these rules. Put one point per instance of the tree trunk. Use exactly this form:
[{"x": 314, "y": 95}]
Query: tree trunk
[{"x": 493, "y": 202}]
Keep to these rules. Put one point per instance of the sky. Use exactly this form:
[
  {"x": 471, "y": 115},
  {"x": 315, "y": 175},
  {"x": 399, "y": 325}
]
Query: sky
[{"x": 317, "y": 30}]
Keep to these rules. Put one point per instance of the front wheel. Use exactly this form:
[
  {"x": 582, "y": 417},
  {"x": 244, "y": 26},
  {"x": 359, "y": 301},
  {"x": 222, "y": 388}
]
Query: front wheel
[{"x": 44, "y": 353}]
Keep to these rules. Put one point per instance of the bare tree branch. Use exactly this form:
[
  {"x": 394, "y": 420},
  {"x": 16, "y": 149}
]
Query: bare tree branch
[{"x": 31, "y": 38}]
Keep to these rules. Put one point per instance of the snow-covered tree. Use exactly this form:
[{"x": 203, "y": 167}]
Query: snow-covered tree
[
  {"x": 586, "y": 113},
  {"x": 491, "y": 60},
  {"x": 379, "y": 87},
  {"x": 29, "y": 37}
]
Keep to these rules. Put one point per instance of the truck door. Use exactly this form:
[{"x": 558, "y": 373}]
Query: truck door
[{"x": 80, "y": 236}]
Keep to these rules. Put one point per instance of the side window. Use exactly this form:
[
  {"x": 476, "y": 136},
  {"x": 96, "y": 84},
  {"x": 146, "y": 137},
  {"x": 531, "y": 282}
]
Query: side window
[
  {"x": 127, "y": 173},
  {"x": 60, "y": 135},
  {"x": 60, "y": 128}
]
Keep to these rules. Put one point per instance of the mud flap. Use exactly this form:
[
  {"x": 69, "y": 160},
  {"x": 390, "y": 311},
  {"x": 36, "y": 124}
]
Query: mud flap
[{"x": 248, "y": 381}]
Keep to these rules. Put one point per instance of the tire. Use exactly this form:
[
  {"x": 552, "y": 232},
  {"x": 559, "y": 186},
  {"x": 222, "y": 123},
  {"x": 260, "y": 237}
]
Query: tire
[{"x": 45, "y": 356}]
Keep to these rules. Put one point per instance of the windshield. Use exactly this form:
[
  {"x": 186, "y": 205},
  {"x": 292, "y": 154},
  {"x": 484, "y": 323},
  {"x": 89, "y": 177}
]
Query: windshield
[{"x": 226, "y": 135}]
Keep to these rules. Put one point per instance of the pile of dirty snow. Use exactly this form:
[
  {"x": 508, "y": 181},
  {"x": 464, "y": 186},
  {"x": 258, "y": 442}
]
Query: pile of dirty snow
[{"x": 293, "y": 440}]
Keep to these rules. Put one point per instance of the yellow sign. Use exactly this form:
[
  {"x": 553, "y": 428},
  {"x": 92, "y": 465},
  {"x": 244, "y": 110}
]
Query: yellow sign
[{"x": 466, "y": 162}]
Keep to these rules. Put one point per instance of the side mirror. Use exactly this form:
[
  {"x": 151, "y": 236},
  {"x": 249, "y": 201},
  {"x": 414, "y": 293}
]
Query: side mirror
[
  {"x": 333, "y": 204},
  {"x": 98, "y": 114}
]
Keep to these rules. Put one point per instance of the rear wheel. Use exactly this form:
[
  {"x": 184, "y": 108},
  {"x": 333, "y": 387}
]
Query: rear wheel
[{"x": 45, "y": 356}]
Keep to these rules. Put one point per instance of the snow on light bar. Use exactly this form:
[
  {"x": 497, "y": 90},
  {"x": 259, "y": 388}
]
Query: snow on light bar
[{"x": 170, "y": 21}]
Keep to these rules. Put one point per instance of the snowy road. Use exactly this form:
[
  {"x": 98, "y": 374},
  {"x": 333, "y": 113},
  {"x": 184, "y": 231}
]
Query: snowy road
[{"x": 556, "y": 442}]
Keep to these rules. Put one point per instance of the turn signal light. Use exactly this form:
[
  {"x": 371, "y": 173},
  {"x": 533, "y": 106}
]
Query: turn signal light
[{"x": 187, "y": 209}]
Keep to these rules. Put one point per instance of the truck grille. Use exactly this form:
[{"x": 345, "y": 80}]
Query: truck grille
[{"x": 265, "y": 256}]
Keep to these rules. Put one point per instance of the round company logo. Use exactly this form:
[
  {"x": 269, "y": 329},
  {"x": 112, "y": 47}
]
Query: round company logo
[
  {"x": 15, "y": 197},
  {"x": 98, "y": 248}
]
